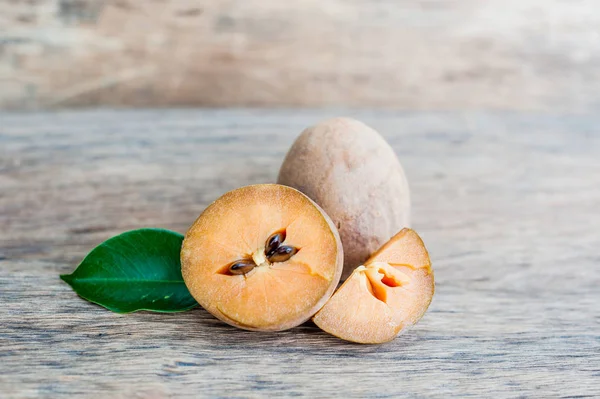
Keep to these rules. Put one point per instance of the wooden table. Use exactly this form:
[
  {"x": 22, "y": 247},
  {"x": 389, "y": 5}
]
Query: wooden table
[{"x": 508, "y": 204}]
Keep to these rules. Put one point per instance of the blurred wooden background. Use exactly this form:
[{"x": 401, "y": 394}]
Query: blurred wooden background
[{"x": 418, "y": 54}]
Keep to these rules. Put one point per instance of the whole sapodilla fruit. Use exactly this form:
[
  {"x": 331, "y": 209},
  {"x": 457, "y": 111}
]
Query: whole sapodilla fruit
[
  {"x": 262, "y": 257},
  {"x": 354, "y": 175}
]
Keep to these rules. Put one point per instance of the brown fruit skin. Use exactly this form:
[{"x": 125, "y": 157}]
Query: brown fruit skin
[{"x": 354, "y": 175}]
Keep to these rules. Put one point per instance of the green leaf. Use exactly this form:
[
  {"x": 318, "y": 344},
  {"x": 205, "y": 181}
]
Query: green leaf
[{"x": 136, "y": 270}]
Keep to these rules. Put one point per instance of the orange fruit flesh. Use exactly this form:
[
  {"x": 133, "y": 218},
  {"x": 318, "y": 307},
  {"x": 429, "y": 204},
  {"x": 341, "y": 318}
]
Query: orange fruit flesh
[
  {"x": 273, "y": 296},
  {"x": 390, "y": 292}
]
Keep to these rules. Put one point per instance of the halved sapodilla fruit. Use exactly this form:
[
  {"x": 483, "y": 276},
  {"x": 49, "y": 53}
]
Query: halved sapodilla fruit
[
  {"x": 262, "y": 257},
  {"x": 390, "y": 292}
]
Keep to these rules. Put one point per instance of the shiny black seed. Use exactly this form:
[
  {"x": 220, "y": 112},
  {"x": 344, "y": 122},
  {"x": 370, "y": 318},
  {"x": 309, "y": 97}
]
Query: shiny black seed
[
  {"x": 273, "y": 242},
  {"x": 283, "y": 253},
  {"x": 241, "y": 266}
]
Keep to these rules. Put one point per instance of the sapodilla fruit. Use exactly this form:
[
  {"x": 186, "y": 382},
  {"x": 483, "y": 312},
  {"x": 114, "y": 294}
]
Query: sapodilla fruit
[
  {"x": 354, "y": 175},
  {"x": 262, "y": 257},
  {"x": 391, "y": 291}
]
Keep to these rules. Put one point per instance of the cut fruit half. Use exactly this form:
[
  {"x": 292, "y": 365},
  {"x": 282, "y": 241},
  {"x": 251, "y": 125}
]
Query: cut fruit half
[
  {"x": 262, "y": 257},
  {"x": 390, "y": 292}
]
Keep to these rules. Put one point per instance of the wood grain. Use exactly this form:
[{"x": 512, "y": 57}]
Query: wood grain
[
  {"x": 507, "y": 204},
  {"x": 417, "y": 54}
]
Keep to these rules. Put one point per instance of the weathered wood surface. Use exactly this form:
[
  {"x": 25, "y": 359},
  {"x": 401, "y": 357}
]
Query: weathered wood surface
[
  {"x": 507, "y": 204},
  {"x": 411, "y": 54}
]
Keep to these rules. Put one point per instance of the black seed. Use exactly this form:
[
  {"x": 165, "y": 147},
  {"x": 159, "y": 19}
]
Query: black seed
[
  {"x": 283, "y": 253},
  {"x": 241, "y": 266},
  {"x": 273, "y": 242}
]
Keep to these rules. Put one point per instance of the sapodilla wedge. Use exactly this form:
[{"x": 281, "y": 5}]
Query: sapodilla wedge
[
  {"x": 262, "y": 257},
  {"x": 391, "y": 291}
]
